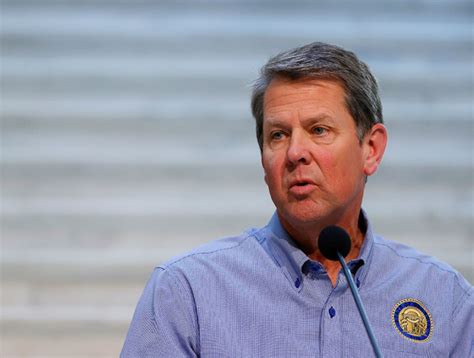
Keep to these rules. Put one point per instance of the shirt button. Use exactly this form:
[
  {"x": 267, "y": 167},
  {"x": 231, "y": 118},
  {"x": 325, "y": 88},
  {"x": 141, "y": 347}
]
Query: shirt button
[
  {"x": 357, "y": 283},
  {"x": 332, "y": 312},
  {"x": 297, "y": 283}
]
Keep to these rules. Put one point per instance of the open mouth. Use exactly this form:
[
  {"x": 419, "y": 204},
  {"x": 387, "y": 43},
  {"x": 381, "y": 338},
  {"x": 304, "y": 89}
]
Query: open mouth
[{"x": 304, "y": 187}]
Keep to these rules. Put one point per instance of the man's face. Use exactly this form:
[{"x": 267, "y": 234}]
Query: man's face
[{"x": 313, "y": 161}]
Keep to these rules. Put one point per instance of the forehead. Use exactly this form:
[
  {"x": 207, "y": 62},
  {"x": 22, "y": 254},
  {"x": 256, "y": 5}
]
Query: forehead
[{"x": 304, "y": 96}]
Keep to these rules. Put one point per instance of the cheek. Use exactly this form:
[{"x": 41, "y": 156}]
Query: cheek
[
  {"x": 339, "y": 166},
  {"x": 329, "y": 163},
  {"x": 351, "y": 168},
  {"x": 271, "y": 173},
  {"x": 272, "y": 168}
]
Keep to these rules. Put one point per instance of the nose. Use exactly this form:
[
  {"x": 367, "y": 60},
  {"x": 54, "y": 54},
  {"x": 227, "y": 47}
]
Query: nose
[{"x": 298, "y": 149}]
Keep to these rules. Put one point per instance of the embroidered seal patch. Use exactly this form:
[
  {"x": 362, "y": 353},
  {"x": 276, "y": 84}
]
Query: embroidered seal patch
[{"x": 412, "y": 320}]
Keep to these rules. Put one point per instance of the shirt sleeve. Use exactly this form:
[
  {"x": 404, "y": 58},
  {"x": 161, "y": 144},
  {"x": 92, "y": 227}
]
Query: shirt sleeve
[
  {"x": 164, "y": 323},
  {"x": 462, "y": 319}
]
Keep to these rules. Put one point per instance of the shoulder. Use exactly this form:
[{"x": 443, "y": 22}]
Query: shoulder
[
  {"x": 407, "y": 254},
  {"x": 408, "y": 260},
  {"x": 217, "y": 252},
  {"x": 211, "y": 266}
]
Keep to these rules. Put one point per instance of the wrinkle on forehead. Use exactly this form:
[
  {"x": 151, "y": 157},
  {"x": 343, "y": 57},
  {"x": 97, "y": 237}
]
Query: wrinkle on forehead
[
  {"x": 309, "y": 84},
  {"x": 303, "y": 96}
]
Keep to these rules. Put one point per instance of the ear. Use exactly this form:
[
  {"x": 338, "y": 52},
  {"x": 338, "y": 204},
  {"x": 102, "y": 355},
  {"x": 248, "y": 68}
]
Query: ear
[{"x": 374, "y": 147}]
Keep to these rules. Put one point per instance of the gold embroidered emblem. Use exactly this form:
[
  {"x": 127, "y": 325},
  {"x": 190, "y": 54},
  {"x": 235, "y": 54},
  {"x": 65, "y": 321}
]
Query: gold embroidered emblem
[{"x": 412, "y": 320}]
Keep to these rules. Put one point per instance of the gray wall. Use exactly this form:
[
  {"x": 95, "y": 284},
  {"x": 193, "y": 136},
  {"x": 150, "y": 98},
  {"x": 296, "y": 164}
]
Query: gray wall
[{"x": 127, "y": 138}]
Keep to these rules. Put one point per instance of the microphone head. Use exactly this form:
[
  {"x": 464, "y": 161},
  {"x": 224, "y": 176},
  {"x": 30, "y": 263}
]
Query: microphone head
[{"x": 333, "y": 239}]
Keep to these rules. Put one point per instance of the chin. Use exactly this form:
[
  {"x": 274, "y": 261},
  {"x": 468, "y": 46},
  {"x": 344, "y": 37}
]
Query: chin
[{"x": 304, "y": 215}]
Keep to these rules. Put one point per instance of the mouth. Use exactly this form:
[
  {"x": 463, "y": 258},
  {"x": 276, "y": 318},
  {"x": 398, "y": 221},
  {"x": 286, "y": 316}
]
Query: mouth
[
  {"x": 301, "y": 182},
  {"x": 301, "y": 187}
]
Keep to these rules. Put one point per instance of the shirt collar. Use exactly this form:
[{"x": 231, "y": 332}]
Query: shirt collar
[
  {"x": 362, "y": 263},
  {"x": 284, "y": 251},
  {"x": 293, "y": 262}
]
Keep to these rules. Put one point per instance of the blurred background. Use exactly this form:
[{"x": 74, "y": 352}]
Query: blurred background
[{"x": 127, "y": 138}]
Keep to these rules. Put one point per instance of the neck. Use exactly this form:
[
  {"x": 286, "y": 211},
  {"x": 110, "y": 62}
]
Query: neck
[{"x": 306, "y": 238}]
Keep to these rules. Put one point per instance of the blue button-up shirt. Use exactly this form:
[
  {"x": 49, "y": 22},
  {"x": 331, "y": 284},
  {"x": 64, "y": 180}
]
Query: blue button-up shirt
[{"x": 259, "y": 295}]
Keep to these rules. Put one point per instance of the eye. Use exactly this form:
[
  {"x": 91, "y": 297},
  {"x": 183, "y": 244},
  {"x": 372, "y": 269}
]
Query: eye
[
  {"x": 276, "y": 135},
  {"x": 319, "y": 130}
]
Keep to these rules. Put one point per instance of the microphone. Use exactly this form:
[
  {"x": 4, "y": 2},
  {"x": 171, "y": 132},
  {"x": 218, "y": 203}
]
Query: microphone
[{"x": 335, "y": 244}]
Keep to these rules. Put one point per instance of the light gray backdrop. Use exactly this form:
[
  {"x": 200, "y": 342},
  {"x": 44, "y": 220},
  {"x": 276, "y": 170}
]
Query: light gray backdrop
[{"x": 127, "y": 138}]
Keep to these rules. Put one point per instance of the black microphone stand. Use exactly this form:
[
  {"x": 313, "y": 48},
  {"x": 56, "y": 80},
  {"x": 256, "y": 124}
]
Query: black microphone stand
[{"x": 358, "y": 302}]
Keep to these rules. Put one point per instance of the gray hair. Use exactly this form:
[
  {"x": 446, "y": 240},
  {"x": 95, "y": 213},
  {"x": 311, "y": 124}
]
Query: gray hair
[{"x": 323, "y": 61}]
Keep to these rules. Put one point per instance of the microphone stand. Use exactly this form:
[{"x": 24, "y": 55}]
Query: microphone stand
[{"x": 358, "y": 302}]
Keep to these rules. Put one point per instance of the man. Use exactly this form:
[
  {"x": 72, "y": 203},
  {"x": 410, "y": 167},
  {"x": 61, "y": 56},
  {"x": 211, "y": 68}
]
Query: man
[{"x": 269, "y": 292}]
